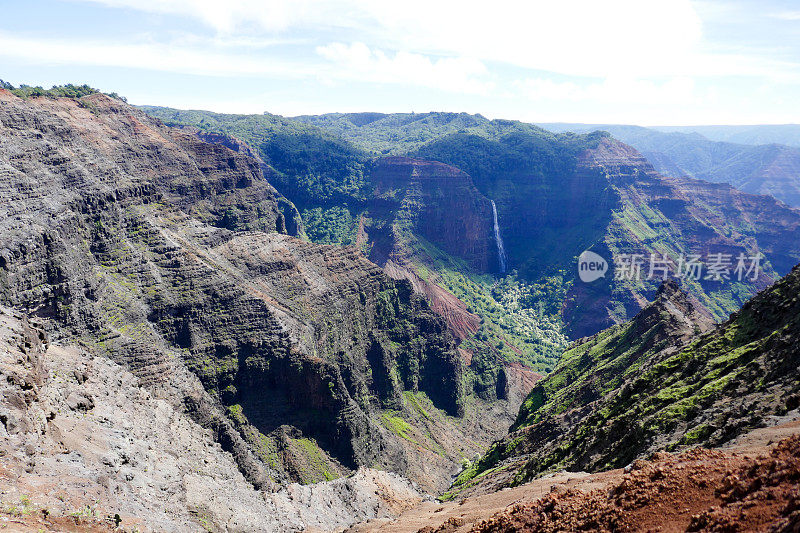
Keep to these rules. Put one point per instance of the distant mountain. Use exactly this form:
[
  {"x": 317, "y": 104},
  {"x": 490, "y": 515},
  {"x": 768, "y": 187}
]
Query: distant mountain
[
  {"x": 772, "y": 169},
  {"x": 666, "y": 380},
  {"x": 788, "y": 134}
]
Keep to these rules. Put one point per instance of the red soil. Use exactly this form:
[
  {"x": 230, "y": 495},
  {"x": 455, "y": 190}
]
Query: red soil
[{"x": 700, "y": 490}]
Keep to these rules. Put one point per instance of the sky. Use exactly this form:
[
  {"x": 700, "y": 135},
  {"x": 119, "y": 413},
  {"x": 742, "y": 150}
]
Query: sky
[{"x": 671, "y": 62}]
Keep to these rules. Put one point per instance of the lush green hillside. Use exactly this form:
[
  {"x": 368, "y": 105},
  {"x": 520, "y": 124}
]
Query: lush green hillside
[
  {"x": 655, "y": 383},
  {"x": 56, "y": 91},
  {"x": 406, "y": 133}
]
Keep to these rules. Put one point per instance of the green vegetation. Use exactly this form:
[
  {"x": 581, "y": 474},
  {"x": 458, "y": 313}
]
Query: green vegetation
[
  {"x": 418, "y": 421},
  {"x": 315, "y": 466},
  {"x": 313, "y": 168},
  {"x": 264, "y": 446},
  {"x": 308, "y": 463},
  {"x": 334, "y": 225},
  {"x": 411, "y": 398},
  {"x": 633, "y": 385},
  {"x": 592, "y": 369},
  {"x": 641, "y": 227},
  {"x": 520, "y": 320},
  {"x": 397, "y": 425},
  {"x": 407, "y": 133},
  {"x": 56, "y": 91}
]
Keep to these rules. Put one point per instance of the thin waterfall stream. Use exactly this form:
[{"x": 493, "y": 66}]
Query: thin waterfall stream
[{"x": 498, "y": 239}]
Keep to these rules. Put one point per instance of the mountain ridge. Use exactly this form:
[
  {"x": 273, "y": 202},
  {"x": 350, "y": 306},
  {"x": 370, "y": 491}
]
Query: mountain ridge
[
  {"x": 700, "y": 385},
  {"x": 763, "y": 168}
]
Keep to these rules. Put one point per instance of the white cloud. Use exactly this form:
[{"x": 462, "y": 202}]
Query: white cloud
[
  {"x": 573, "y": 37},
  {"x": 577, "y": 37},
  {"x": 358, "y": 62},
  {"x": 648, "y": 57},
  {"x": 145, "y": 56},
  {"x": 637, "y": 38},
  {"x": 227, "y": 16},
  {"x": 616, "y": 90},
  {"x": 336, "y": 63},
  {"x": 786, "y": 15}
]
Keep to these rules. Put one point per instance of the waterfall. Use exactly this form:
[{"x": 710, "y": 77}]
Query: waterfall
[{"x": 501, "y": 251}]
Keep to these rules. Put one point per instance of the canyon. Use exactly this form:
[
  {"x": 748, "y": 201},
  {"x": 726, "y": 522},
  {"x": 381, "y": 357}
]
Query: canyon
[
  {"x": 238, "y": 323},
  {"x": 556, "y": 195},
  {"x": 169, "y": 256}
]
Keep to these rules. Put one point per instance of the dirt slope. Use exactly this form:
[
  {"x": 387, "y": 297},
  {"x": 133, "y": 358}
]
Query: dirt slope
[{"x": 750, "y": 486}]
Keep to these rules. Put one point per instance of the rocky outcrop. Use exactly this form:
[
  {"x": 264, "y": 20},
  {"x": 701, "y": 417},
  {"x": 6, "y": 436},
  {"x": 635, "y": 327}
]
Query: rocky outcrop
[
  {"x": 594, "y": 365},
  {"x": 437, "y": 202},
  {"x": 167, "y": 254},
  {"x": 752, "y": 487},
  {"x": 700, "y": 490},
  {"x": 293, "y": 221},
  {"x": 418, "y": 198},
  {"x": 86, "y": 446}
]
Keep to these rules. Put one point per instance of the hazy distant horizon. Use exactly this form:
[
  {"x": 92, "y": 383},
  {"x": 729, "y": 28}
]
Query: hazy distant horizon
[{"x": 619, "y": 62}]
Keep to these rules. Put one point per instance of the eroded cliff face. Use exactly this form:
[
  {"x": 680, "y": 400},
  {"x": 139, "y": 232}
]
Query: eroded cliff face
[
  {"x": 437, "y": 202},
  {"x": 169, "y": 255},
  {"x": 415, "y": 198},
  {"x": 84, "y": 446},
  {"x": 676, "y": 216}
]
